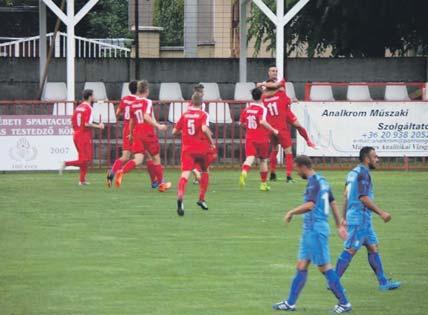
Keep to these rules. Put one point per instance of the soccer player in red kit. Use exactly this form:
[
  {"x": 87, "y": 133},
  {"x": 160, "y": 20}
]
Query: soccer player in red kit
[
  {"x": 82, "y": 135},
  {"x": 253, "y": 119},
  {"x": 197, "y": 144},
  {"x": 124, "y": 109},
  {"x": 273, "y": 84},
  {"x": 143, "y": 137}
]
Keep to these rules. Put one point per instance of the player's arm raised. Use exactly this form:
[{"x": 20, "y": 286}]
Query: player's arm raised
[{"x": 306, "y": 207}]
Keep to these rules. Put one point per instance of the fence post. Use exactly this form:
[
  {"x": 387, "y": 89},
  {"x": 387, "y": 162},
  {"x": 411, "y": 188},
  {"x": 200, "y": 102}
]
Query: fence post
[{"x": 307, "y": 91}]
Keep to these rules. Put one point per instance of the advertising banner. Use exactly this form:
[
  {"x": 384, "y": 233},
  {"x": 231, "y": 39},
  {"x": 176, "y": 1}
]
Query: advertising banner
[
  {"x": 35, "y": 142},
  {"x": 341, "y": 129}
]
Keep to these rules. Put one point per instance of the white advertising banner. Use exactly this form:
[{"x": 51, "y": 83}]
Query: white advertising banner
[
  {"x": 341, "y": 129},
  {"x": 35, "y": 142}
]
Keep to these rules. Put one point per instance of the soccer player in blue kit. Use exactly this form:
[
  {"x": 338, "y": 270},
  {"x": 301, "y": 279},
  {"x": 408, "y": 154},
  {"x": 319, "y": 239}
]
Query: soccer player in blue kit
[
  {"x": 357, "y": 216},
  {"x": 314, "y": 246}
]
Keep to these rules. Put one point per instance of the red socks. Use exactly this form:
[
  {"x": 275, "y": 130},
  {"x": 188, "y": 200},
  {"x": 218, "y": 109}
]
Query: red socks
[
  {"x": 151, "y": 170},
  {"x": 83, "y": 165},
  {"x": 203, "y": 185},
  {"x": 129, "y": 166},
  {"x": 181, "y": 189},
  {"x": 158, "y": 171},
  {"x": 77, "y": 163},
  {"x": 302, "y": 131},
  {"x": 246, "y": 167},
  {"x": 273, "y": 161},
  {"x": 289, "y": 163},
  {"x": 83, "y": 172},
  {"x": 117, "y": 165},
  {"x": 263, "y": 176}
]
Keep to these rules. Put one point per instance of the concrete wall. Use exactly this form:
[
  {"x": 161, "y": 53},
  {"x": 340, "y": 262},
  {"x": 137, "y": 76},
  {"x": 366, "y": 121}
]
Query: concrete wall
[{"x": 19, "y": 77}]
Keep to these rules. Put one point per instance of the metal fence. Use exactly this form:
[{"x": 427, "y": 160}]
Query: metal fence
[{"x": 224, "y": 123}]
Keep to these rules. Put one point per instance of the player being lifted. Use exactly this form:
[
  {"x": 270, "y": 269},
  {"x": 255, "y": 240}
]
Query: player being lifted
[
  {"x": 124, "y": 109},
  {"x": 143, "y": 137},
  {"x": 273, "y": 85},
  {"x": 253, "y": 119},
  {"x": 196, "y": 142},
  {"x": 314, "y": 247},
  {"x": 82, "y": 124},
  {"x": 357, "y": 216}
]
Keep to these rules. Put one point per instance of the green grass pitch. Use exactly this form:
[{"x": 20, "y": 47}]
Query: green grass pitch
[{"x": 67, "y": 249}]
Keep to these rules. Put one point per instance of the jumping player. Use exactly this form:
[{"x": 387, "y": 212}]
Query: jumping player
[
  {"x": 196, "y": 144},
  {"x": 124, "y": 109},
  {"x": 279, "y": 116},
  {"x": 253, "y": 119},
  {"x": 314, "y": 247},
  {"x": 273, "y": 83},
  {"x": 82, "y": 135},
  {"x": 358, "y": 208},
  {"x": 143, "y": 137}
]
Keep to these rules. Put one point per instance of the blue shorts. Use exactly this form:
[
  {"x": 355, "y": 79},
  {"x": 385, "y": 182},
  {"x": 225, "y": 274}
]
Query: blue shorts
[
  {"x": 314, "y": 247},
  {"x": 359, "y": 235}
]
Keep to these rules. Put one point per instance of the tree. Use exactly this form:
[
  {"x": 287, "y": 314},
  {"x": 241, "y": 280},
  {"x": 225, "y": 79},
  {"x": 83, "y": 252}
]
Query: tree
[
  {"x": 169, "y": 14},
  {"x": 363, "y": 28}
]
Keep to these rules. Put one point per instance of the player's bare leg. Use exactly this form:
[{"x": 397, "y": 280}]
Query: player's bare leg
[
  {"x": 129, "y": 166},
  {"x": 245, "y": 169},
  {"x": 117, "y": 165},
  {"x": 181, "y": 190},
  {"x": 289, "y": 164},
  {"x": 263, "y": 175},
  {"x": 302, "y": 131},
  {"x": 158, "y": 170},
  {"x": 196, "y": 175}
]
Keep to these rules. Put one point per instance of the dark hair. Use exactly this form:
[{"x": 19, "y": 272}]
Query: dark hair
[
  {"x": 303, "y": 160},
  {"x": 196, "y": 99},
  {"x": 132, "y": 86},
  {"x": 272, "y": 65},
  {"x": 142, "y": 86},
  {"x": 256, "y": 94},
  {"x": 364, "y": 152},
  {"x": 86, "y": 94},
  {"x": 198, "y": 87}
]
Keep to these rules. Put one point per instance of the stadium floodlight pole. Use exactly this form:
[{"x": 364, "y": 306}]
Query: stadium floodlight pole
[
  {"x": 280, "y": 20},
  {"x": 70, "y": 20}
]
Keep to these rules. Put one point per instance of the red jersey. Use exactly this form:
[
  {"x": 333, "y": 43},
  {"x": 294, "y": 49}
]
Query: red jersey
[
  {"x": 192, "y": 137},
  {"x": 277, "y": 107},
  {"x": 82, "y": 115},
  {"x": 251, "y": 117},
  {"x": 140, "y": 107},
  {"x": 125, "y": 107}
]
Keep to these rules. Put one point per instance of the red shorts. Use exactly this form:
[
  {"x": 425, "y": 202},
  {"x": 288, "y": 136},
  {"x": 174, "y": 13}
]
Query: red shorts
[
  {"x": 191, "y": 160},
  {"x": 291, "y": 118},
  {"x": 83, "y": 145},
  {"x": 142, "y": 145},
  {"x": 257, "y": 149},
  {"x": 126, "y": 145},
  {"x": 283, "y": 138}
]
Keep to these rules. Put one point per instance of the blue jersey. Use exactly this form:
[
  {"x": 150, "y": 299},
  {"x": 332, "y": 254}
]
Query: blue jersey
[
  {"x": 319, "y": 192},
  {"x": 358, "y": 184}
]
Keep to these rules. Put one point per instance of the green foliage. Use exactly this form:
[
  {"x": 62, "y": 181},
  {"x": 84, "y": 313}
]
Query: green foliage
[
  {"x": 362, "y": 28},
  {"x": 108, "y": 19},
  {"x": 169, "y": 14}
]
